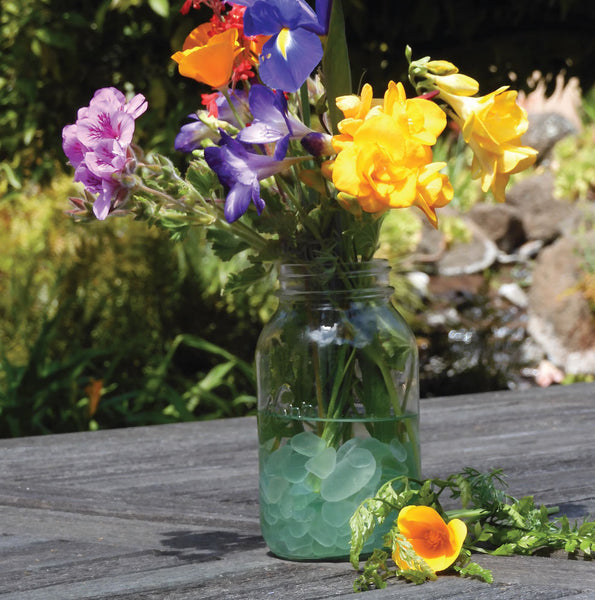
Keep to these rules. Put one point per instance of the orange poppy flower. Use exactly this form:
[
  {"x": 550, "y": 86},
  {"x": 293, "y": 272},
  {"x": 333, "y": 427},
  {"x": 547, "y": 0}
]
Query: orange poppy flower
[
  {"x": 436, "y": 542},
  {"x": 208, "y": 59}
]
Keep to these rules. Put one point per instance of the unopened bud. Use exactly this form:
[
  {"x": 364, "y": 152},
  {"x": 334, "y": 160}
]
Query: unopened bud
[
  {"x": 441, "y": 67},
  {"x": 318, "y": 144},
  {"x": 457, "y": 83}
]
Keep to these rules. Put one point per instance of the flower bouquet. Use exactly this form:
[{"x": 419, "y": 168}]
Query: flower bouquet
[{"x": 290, "y": 167}]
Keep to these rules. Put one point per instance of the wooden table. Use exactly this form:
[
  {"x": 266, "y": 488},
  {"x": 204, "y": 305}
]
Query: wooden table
[{"x": 171, "y": 512}]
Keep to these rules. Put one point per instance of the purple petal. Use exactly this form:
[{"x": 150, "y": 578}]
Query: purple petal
[
  {"x": 100, "y": 125},
  {"x": 281, "y": 148},
  {"x": 192, "y": 135},
  {"x": 262, "y": 19},
  {"x": 110, "y": 95},
  {"x": 137, "y": 106},
  {"x": 91, "y": 181},
  {"x": 265, "y": 104},
  {"x": 107, "y": 158},
  {"x": 73, "y": 148},
  {"x": 237, "y": 201},
  {"x": 103, "y": 203},
  {"x": 295, "y": 13},
  {"x": 287, "y": 68},
  {"x": 323, "y": 10}
]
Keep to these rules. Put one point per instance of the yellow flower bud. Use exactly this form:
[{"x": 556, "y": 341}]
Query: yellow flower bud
[
  {"x": 457, "y": 83},
  {"x": 441, "y": 67}
]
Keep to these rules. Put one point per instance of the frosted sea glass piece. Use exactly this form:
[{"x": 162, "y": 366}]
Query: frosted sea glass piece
[
  {"x": 377, "y": 448},
  {"x": 300, "y": 545},
  {"x": 273, "y": 488},
  {"x": 349, "y": 476},
  {"x": 275, "y": 463},
  {"x": 398, "y": 450},
  {"x": 347, "y": 447},
  {"x": 307, "y": 443},
  {"x": 298, "y": 529},
  {"x": 337, "y": 514},
  {"x": 295, "y": 469},
  {"x": 360, "y": 458},
  {"x": 322, "y": 533},
  {"x": 323, "y": 463}
]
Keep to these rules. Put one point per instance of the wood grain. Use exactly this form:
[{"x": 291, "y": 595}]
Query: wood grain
[{"x": 171, "y": 512}]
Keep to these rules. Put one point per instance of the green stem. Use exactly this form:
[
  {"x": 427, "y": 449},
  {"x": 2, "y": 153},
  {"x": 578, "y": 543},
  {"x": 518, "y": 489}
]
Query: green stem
[
  {"x": 395, "y": 402},
  {"x": 242, "y": 231}
]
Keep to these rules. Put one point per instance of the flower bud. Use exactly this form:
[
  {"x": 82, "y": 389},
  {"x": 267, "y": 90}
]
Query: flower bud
[
  {"x": 456, "y": 83},
  {"x": 318, "y": 144},
  {"x": 441, "y": 67}
]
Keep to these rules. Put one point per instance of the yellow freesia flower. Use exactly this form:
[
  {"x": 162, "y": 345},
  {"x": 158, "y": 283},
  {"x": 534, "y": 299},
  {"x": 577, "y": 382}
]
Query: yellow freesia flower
[
  {"x": 383, "y": 150},
  {"x": 492, "y": 125},
  {"x": 436, "y": 542}
]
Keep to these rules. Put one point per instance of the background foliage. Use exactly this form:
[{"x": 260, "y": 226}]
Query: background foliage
[{"x": 107, "y": 325}]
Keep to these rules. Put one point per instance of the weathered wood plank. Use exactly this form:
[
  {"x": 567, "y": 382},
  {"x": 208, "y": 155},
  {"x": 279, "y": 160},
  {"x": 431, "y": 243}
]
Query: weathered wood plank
[{"x": 171, "y": 512}]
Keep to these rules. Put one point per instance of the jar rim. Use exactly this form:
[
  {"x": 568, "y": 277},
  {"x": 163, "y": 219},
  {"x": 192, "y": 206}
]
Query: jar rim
[
  {"x": 316, "y": 269},
  {"x": 369, "y": 278}
]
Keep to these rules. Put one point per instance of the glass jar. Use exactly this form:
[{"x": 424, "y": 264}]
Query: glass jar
[{"x": 338, "y": 402}]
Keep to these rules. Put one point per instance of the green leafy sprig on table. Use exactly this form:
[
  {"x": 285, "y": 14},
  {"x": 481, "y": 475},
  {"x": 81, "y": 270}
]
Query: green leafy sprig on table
[{"x": 497, "y": 523}]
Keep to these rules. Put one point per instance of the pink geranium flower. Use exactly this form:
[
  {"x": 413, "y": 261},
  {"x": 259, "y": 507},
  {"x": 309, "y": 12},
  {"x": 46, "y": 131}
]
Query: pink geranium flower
[{"x": 98, "y": 145}]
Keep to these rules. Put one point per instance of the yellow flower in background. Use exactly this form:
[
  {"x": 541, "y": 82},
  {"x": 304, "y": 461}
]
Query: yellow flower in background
[
  {"x": 436, "y": 542},
  {"x": 492, "y": 125},
  {"x": 384, "y": 156}
]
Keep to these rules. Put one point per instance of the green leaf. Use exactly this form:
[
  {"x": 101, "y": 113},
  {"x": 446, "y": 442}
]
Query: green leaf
[
  {"x": 335, "y": 63},
  {"x": 225, "y": 244},
  {"x": 244, "y": 279},
  {"x": 374, "y": 511},
  {"x": 475, "y": 571}
]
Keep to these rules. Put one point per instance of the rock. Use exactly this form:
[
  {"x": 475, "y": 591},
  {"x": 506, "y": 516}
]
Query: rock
[
  {"x": 545, "y": 129},
  {"x": 543, "y": 216},
  {"x": 431, "y": 245},
  {"x": 465, "y": 258},
  {"x": 501, "y": 223},
  {"x": 514, "y": 294},
  {"x": 560, "y": 318}
]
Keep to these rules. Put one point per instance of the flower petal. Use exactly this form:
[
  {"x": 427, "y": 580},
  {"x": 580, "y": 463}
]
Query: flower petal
[{"x": 285, "y": 66}]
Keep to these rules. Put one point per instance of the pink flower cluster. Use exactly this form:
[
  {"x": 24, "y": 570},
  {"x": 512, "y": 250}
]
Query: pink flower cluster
[{"x": 98, "y": 145}]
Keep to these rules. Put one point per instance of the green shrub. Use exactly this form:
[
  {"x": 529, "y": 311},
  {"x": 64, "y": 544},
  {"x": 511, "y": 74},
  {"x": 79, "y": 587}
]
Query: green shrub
[{"x": 122, "y": 309}]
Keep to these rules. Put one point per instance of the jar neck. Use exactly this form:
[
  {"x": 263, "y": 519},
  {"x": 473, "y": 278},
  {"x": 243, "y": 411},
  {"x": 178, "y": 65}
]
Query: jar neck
[{"x": 319, "y": 280}]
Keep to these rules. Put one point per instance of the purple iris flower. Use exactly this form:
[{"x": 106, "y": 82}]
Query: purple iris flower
[
  {"x": 241, "y": 171},
  {"x": 294, "y": 50},
  {"x": 191, "y": 135},
  {"x": 98, "y": 145},
  {"x": 271, "y": 119}
]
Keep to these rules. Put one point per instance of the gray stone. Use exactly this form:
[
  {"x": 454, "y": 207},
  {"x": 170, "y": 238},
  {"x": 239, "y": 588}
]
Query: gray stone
[
  {"x": 465, "y": 258},
  {"x": 545, "y": 129},
  {"x": 543, "y": 216},
  {"x": 502, "y": 223},
  {"x": 560, "y": 318}
]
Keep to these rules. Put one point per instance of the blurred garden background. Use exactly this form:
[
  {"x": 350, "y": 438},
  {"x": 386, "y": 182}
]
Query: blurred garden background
[{"x": 112, "y": 324}]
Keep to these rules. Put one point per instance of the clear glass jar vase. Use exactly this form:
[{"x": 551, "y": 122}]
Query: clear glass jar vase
[{"x": 338, "y": 402}]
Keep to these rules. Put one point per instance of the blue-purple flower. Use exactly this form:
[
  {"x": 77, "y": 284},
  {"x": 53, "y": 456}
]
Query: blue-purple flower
[
  {"x": 98, "y": 145},
  {"x": 205, "y": 125},
  {"x": 294, "y": 49},
  {"x": 271, "y": 119},
  {"x": 241, "y": 171}
]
